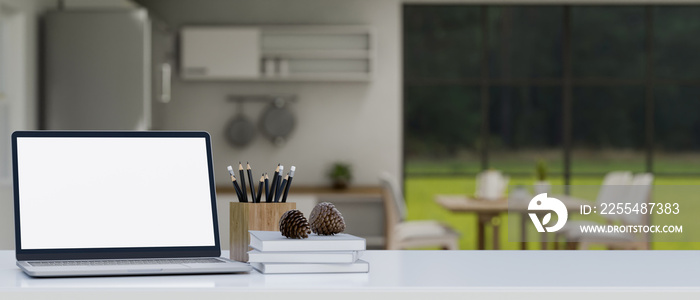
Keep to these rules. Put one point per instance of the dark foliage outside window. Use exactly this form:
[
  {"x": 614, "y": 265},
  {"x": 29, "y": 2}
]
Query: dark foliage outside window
[{"x": 590, "y": 89}]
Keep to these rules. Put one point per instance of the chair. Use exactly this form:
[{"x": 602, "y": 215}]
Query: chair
[
  {"x": 639, "y": 192},
  {"x": 612, "y": 189},
  {"x": 402, "y": 234}
]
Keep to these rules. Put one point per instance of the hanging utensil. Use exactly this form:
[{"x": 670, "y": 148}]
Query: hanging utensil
[
  {"x": 240, "y": 131},
  {"x": 277, "y": 121}
]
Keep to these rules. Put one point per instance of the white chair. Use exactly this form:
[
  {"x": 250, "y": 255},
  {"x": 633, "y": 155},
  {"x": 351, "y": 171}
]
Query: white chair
[
  {"x": 402, "y": 234},
  {"x": 612, "y": 189},
  {"x": 639, "y": 192}
]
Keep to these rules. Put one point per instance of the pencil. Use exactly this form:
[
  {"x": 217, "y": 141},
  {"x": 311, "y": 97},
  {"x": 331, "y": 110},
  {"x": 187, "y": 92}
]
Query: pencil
[
  {"x": 260, "y": 186},
  {"x": 271, "y": 192},
  {"x": 243, "y": 190},
  {"x": 235, "y": 184},
  {"x": 251, "y": 183},
  {"x": 289, "y": 182},
  {"x": 267, "y": 189},
  {"x": 282, "y": 186},
  {"x": 238, "y": 191},
  {"x": 277, "y": 184}
]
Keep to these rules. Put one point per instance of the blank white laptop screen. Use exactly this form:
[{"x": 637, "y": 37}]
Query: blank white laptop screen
[{"x": 114, "y": 192}]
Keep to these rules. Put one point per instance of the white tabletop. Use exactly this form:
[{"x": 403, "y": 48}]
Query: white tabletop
[{"x": 540, "y": 274}]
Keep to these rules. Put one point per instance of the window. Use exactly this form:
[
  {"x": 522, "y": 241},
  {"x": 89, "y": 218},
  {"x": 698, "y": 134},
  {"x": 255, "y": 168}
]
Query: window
[{"x": 587, "y": 89}]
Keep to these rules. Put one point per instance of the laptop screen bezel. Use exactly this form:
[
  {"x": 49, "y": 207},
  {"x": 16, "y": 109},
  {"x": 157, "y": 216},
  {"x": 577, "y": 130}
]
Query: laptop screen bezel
[{"x": 105, "y": 253}]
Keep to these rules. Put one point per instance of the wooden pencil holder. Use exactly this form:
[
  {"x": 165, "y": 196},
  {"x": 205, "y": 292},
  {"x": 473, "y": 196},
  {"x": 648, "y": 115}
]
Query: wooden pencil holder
[{"x": 253, "y": 216}]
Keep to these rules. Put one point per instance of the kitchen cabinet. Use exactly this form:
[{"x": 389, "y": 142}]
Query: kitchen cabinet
[
  {"x": 273, "y": 53},
  {"x": 220, "y": 53}
]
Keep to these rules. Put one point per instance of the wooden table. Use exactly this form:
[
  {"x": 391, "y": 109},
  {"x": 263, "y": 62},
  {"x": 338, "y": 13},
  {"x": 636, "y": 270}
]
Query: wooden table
[{"x": 487, "y": 212}]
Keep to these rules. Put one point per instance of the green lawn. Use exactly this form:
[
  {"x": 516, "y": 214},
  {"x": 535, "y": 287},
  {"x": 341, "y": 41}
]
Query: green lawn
[{"x": 420, "y": 192}]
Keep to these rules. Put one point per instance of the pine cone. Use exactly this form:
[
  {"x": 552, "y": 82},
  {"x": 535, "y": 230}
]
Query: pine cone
[
  {"x": 326, "y": 219},
  {"x": 294, "y": 225}
]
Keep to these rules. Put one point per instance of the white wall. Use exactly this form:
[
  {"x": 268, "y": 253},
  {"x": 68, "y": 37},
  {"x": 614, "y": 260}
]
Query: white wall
[
  {"x": 20, "y": 18},
  {"x": 359, "y": 123}
]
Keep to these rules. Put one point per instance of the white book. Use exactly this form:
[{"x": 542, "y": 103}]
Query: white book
[
  {"x": 274, "y": 241},
  {"x": 304, "y": 257},
  {"x": 359, "y": 266}
]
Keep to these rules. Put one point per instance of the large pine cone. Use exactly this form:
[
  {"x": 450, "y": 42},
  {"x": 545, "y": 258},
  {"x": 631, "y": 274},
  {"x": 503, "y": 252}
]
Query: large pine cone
[
  {"x": 326, "y": 219},
  {"x": 294, "y": 225}
]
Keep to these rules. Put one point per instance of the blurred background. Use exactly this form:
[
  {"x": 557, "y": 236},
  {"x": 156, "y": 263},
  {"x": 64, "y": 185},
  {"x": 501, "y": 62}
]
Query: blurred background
[{"x": 383, "y": 106}]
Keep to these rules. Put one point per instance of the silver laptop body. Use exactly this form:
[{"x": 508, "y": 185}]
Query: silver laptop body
[{"x": 95, "y": 203}]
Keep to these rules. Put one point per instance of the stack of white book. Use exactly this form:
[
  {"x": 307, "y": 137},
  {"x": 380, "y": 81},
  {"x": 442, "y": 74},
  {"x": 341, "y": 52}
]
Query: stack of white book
[{"x": 275, "y": 254}]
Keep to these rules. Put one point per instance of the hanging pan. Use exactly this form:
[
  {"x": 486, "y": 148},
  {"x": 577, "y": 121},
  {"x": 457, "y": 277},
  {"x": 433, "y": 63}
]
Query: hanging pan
[
  {"x": 240, "y": 131},
  {"x": 277, "y": 121}
]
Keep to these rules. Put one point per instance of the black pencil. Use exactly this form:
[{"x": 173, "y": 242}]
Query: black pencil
[
  {"x": 273, "y": 185},
  {"x": 289, "y": 182},
  {"x": 251, "y": 183},
  {"x": 235, "y": 184},
  {"x": 278, "y": 185},
  {"x": 238, "y": 191},
  {"x": 267, "y": 189},
  {"x": 260, "y": 191},
  {"x": 243, "y": 190},
  {"x": 282, "y": 186}
]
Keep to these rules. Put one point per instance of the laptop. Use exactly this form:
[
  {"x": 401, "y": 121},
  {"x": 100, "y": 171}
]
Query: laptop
[{"x": 93, "y": 203}]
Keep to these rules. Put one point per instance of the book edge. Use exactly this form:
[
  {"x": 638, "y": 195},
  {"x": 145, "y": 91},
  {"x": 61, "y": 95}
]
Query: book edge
[{"x": 345, "y": 257}]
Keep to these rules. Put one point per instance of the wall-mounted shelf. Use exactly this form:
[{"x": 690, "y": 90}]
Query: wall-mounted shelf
[
  {"x": 290, "y": 53},
  {"x": 317, "y": 53},
  {"x": 301, "y": 77}
]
